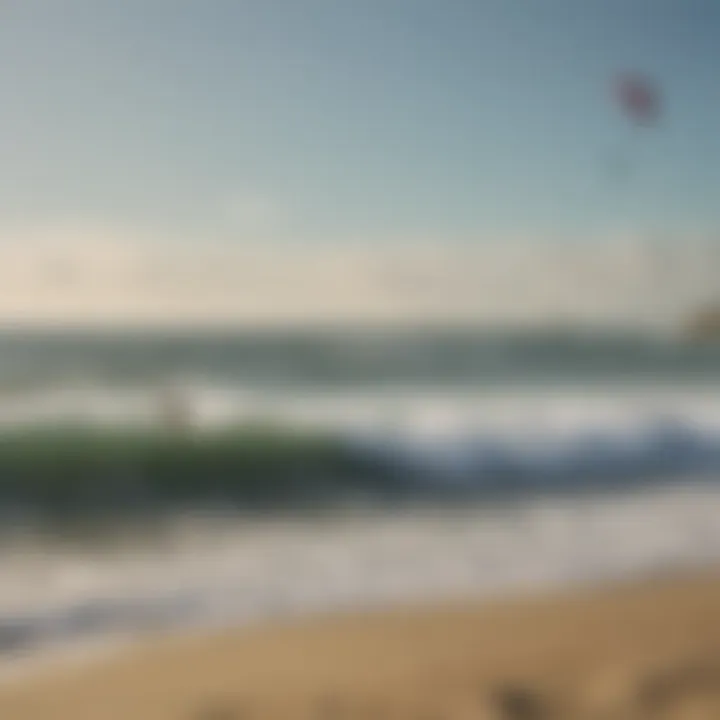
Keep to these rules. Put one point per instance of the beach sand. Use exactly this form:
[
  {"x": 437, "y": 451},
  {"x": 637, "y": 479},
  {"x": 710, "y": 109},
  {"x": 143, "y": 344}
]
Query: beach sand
[{"x": 641, "y": 650}]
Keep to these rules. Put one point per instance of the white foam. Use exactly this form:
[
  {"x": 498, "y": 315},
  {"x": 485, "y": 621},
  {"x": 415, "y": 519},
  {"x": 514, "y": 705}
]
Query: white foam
[{"x": 222, "y": 571}]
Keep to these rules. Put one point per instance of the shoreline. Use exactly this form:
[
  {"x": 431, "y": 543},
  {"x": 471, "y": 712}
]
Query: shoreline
[
  {"x": 593, "y": 644},
  {"x": 213, "y": 575}
]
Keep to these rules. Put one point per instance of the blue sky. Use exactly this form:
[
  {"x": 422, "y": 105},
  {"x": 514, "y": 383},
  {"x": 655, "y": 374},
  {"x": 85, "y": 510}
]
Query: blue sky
[{"x": 370, "y": 119}]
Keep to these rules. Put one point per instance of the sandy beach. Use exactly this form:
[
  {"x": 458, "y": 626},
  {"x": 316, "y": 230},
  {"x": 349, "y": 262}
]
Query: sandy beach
[{"x": 643, "y": 650}]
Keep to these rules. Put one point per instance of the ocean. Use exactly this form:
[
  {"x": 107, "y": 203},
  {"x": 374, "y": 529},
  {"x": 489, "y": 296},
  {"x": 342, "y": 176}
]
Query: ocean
[{"x": 527, "y": 459}]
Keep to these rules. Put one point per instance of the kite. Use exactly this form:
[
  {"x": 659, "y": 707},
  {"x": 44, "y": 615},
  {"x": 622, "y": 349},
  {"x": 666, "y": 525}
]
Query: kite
[{"x": 638, "y": 98}]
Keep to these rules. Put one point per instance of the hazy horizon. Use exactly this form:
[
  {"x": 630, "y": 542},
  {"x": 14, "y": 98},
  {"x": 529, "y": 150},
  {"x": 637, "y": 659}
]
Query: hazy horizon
[{"x": 78, "y": 279}]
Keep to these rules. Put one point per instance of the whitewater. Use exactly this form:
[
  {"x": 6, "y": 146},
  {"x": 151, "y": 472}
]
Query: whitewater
[{"x": 615, "y": 481}]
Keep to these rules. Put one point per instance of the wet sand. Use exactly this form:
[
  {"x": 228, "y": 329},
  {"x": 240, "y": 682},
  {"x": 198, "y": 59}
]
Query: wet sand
[{"x": 646, "y": 650}]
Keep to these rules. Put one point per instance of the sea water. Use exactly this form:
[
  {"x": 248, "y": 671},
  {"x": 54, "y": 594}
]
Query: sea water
[{"x": 610, "y": 445}]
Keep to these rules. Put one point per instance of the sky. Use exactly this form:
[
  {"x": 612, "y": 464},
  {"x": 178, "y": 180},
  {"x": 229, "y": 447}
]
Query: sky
[
  {"x": 354, "y": 123},
  {"x": 355, "y": 120}
]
